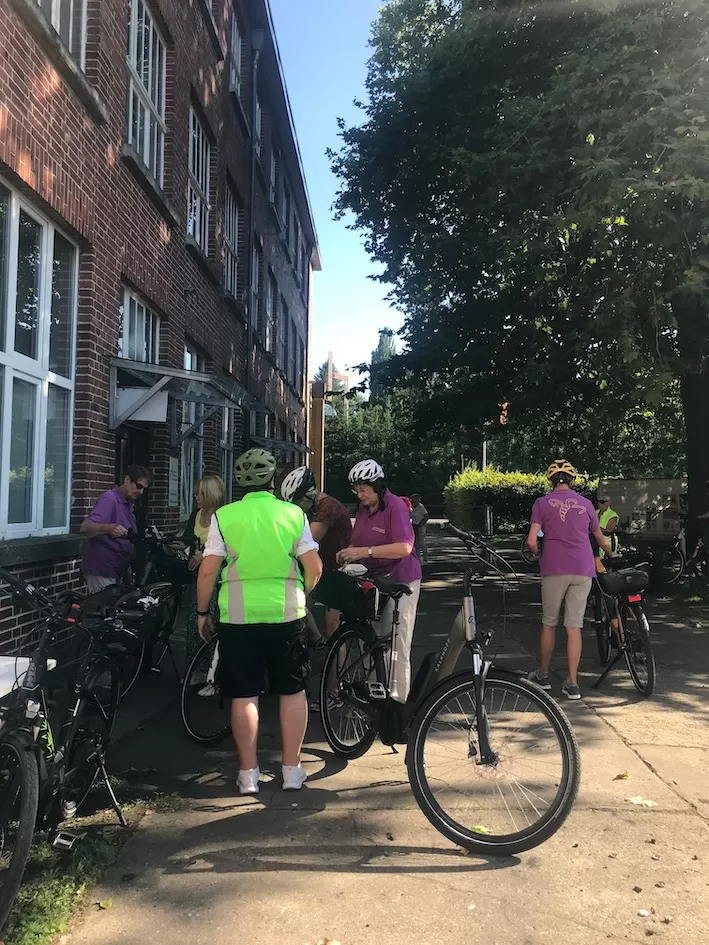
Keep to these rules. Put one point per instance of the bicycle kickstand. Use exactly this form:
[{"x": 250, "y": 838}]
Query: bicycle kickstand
[
  {"x": 618, "y": 656},
  {"x": 115, "y": 803}
]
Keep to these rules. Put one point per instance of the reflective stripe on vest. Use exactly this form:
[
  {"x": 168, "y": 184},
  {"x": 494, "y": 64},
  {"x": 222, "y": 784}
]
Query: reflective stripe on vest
[{"x": 261, "y": 578}]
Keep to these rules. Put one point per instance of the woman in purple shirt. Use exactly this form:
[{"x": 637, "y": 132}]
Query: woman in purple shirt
[{"x": 383, "y": 540}]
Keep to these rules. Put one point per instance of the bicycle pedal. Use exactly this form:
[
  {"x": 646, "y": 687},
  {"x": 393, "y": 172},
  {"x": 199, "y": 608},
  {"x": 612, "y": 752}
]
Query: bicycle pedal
[
  {"x": 376, "y": 690},
  {"x": 66, "y": 840}
]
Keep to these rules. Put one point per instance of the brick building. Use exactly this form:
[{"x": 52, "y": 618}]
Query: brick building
[{"x": 156, "y": 250}]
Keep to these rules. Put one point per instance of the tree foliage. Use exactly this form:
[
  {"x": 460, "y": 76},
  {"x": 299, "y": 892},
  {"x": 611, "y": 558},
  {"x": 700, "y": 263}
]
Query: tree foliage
[{"x": 535, "y": 182}]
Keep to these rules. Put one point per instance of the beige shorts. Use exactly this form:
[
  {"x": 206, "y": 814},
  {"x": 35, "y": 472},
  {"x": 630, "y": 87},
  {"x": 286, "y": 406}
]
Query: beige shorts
[{"x": 570, "y": 589}]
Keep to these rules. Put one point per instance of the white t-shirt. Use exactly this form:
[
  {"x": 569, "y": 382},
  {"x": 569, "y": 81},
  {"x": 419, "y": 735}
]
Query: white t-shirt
[
  {"x": 419, "y": 514},
  {"x": 215, "y": 543}
]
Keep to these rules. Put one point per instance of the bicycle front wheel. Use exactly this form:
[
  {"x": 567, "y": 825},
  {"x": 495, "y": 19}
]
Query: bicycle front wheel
[
  {"x": 602, "y": 624},
  {"x": 699, "y": 578},
  {"x": 347, "y": 711},
  {"x": 19, "y": 798},
  {"x": 638, "y": 648},
  {"x": 512, "y": 804},
  {"x": 669, "y": 565},
  {"x": 205, "y": 711}
]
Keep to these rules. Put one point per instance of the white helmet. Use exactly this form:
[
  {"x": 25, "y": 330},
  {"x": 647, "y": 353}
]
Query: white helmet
[
  {"x": 299, "y": 484},
  {"x": 367, "y": 471}
]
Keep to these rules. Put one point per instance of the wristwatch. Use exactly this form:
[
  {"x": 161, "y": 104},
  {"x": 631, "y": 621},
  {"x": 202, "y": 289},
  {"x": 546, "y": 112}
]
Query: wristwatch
[
  {"x": 369, "y": 552},
  {"x": 203, "y": 613}
]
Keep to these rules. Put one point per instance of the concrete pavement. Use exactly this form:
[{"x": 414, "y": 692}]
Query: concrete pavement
[{"x": 351, "y": 858}]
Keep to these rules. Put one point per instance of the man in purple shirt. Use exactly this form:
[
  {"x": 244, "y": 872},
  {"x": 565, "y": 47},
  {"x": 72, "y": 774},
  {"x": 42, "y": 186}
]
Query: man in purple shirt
[
  {"x": 383, "y": 540},
  {"x": 567, "y": 568},
  {"x": 107, "y": 552}
]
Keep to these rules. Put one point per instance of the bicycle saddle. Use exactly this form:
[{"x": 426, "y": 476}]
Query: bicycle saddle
[{"x": 395, "y": 589}]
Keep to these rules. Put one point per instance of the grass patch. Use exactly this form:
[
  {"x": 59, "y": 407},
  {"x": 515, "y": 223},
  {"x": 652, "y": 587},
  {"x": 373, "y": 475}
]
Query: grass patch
[{"x": 56, "y": 881}]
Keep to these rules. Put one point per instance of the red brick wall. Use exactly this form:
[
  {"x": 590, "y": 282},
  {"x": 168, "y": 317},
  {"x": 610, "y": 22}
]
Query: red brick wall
[{"x": 70, "y": 166}]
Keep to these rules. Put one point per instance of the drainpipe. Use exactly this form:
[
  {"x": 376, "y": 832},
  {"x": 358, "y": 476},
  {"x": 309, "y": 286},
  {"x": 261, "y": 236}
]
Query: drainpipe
[{"x": 257, "y": 42}]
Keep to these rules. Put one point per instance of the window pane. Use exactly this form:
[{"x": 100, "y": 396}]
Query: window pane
[
  {"x": 28, "y": 274},
  {"x": 56, "y": 465},
  {"x": 60, "y": 337},
  {"x": 24, "y": 399},
  {"x": 4, "y": 226}
]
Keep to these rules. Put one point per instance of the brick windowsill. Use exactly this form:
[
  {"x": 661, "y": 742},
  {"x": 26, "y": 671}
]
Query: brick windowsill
[
  {"x": 206, "y": 8},
  {"x": 198, "y": 254},
  {"x": 65, "y": 64},
  {"x": 149, "y": 185},
  {"x": 37, "y": 550}
]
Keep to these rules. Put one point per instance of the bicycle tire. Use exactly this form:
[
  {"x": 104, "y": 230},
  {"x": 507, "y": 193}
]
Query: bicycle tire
[
  {"x": 363, "y": 724},
  {"x": 602, "y": 627},
  {"x": 480, "y": 839},
  {"x": 131, "y": 668},
  {"x": 203, "y": 713},
  {"x": 92, "y": 732},
  {"x": 671, "y": 565},
  {"x": 26, "y": 792},
  {"x": 639, "y": 655},
  {"x": 527, "y": 555},
  {"x": 699, "y": 578}
]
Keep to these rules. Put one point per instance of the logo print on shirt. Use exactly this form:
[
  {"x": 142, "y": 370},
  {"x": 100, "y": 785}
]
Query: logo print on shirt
[
  {"x": 566, "y": 506},
  {"x": 380, "y": 530}
]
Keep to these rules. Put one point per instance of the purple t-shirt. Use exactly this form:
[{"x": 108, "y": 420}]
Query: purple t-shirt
[
  {"x": 566, "y": 519},
  {"x": 104, "y": 556},
  {"x": 373, "y": 527}
]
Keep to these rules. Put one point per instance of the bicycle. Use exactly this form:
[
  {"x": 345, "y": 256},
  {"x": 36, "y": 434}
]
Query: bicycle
[
  {"x": 527, "y": 555},
  {"x": 621, "y": 623},
  {"x": 45, "y": 777},
  {"x": 475, "y": 724},
  {"x": 152, "y": 606},
  {"x": 697, "y": 570}
]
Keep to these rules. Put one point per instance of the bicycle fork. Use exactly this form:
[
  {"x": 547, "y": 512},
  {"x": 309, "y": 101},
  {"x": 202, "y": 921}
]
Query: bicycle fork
[{"x": 486, "y": 754}]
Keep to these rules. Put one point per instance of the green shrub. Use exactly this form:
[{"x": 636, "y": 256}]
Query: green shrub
[{"x": 511, "y": 495}]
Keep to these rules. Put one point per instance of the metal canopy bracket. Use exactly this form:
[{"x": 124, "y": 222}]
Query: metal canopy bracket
[
  {"x": 140, "y": 402},
  {"x": 176, "y": 439}
]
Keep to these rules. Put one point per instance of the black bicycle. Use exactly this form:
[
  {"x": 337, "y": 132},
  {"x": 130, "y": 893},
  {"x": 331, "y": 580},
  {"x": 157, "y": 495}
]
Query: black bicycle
[
  {"x": 492, "y": 760},
  {"x": 622, "y": 628},
  {"x": 55, "y": 727}
]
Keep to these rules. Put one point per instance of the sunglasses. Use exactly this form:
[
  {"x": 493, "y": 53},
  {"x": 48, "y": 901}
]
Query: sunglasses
[
  {"x": 603, "y": 501},
  {"x": 140, "y": 486}
]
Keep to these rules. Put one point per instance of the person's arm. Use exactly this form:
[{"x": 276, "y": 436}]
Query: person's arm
[
  {"x": 400, "y": 530},
  {"x": 212, "y": 560},
  {"x": 610, "y": 525},
  {"x": 319, "y": 530},
  {"x": 312, "y": 569},
  {"x": 100, "y": 520},
  {"x": 533, "y": 537},
  {"x": 603, "y": 542}
]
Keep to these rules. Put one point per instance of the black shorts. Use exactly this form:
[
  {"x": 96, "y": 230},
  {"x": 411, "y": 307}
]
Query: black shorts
[{"x": 248, "y": 652}]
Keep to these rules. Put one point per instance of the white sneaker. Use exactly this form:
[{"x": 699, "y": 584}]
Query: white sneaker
[
  {"x": 247, "y": 782},
  {"x": 294, "y": 777}
]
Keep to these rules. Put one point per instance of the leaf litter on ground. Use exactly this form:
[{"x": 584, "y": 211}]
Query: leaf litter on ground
[{"x": 641, "y": 801}]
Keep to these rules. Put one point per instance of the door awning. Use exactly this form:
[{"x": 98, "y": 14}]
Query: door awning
[
  {"x": 279, "y": 447},
  {"x": 136, "y": 387}
]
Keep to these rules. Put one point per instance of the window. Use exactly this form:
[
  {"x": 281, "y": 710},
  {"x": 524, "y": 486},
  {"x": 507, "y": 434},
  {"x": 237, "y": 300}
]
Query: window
[
  {"x": 258, "y": 128},
  {"x": 292, "y": 348},
  {"x": 283, "y": 337},
  {"x": 300, "y": 369},
  {"x": 139, "y": 330},
  {"x": 256, "y": 279},
  {"x": 296, "y": 246},
  {"x": 235, "y": 61},
  {"x": 273, "y": 177},
  {"x": 145, "y": 128},
  {"x": 231, "y": 243},
  {"x": 38, "y": 292},
  {"x": 192, "y": 458},
  {"x": 271, "y": 303},
  {"x": 286, "y": 212},
  {"x": 304, "y": 264},
  {"x": 226, "y": 449},
  {"x": 68, "y": 19},
  {"x": 198, "y": 188}
]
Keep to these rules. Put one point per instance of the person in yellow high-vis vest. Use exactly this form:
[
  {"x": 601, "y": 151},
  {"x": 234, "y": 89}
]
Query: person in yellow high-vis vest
[
  {"x": 264, "y": 554},
  {"x": 609, "y": 520}
]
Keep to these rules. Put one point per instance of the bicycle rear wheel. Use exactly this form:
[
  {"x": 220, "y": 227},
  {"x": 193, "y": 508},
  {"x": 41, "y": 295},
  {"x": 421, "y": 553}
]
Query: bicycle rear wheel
[
  {"x": 19, "y": 798},
  {"x": 669, "y": 565},
  {"x": 347, "y": 711},
  {"x": 699, "y": 578},
  {"x": 602, "y": 625},
  {"x": 205, "y": 712},
  {"x": 94, "y": 725},
  {"x": 638, "y": 648},
  {"x": 502, "y": 808}
]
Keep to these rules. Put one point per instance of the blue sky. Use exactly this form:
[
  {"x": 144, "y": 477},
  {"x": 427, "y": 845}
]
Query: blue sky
[{"x": 324, "y": 50}]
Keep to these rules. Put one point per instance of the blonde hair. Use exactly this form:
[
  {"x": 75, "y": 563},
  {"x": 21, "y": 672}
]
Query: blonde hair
[{"x": 211, "y": 492}]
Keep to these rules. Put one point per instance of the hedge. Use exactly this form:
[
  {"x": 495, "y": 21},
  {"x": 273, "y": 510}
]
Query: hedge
[{"x": 511, "y": 495}]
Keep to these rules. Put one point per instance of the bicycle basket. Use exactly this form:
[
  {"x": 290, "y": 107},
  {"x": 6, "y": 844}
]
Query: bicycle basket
[
  {"x": 145, "y": 611},
  {"x": 340, "y": 591},
  {"x": 625, "y": 581}
]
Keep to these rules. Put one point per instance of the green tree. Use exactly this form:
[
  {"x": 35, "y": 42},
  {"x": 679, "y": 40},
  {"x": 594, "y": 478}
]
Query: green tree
[
  {"x": 534, "y": 181},
  {"x": 384, "y": 352}
]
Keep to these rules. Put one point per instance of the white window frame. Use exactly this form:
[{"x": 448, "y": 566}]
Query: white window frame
[
  {"x": 192, "y": 449},
  {"x": 152, "y": 95},
  {"x": 231, "y": 243},
  {"x": 235, "y": 56},
  {"x": 56, "y": 16},
  {"x": 33, "y": 371},
  {"x": 147, "y": 326},
  {"x": 198, "y": 187}
]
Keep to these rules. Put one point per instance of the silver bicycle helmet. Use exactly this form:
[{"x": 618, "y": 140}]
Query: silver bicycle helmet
[
  {"x": 299, "y": 484},
  {"x": 368, "y": 470}
]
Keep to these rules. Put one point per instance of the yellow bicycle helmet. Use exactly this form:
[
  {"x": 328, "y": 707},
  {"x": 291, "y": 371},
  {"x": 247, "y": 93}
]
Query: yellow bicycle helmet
[{"x": 561, "y": 466}]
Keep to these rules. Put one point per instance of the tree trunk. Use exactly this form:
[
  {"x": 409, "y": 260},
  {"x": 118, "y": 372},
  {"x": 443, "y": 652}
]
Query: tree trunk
[{"x": 694, "y": 390}]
